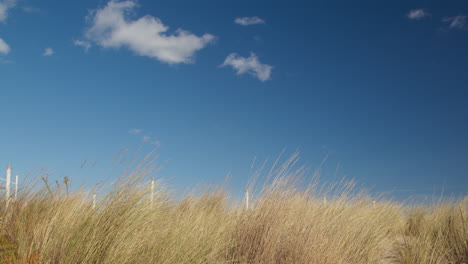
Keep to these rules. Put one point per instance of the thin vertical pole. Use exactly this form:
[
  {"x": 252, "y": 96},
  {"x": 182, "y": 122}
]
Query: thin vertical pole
[
  {"x": 16, "y": 188},
  {"x": 8, "y": 179},
  {"x": 94, "y": 200},
  {"x": 324, "y": 200},
  {"x": 373, "y": 202},
  {"x": 247, "y": 199},
  {"x": 152, "y": 191}
]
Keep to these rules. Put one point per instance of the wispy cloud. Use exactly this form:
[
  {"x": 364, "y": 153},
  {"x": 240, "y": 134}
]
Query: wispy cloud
[
  {"x": 457, "y": 22},
  {"x": 155, "y": 143},
  {"x": 85, "y": 44},
  {"x": 111, "y": 27},
  {"x": 31, "y": 9},
  {"x": 145, "y": 138},
  {"x": 417, "y": 14},
  {"x": 4, "y": 48},
  {"x": 149, "y": 140},
  {"x": 48, "y": 52},
  {"x": 135, "y": 131},
  {"x": 250, "y": 65},
  {"x": 5, "y": 5},
  {"x": 248, "y": 21}
]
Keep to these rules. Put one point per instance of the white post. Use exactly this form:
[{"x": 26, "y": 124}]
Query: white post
[
  {"x": 373, "y": 203},
  {"x": 94, "y": 200},
  {"x": 247, "y": 199},
  {"x": 152, "y": 191},
  {"x": 7, "y": 187},
  {"x": 16, "y": 188},
  {"x": 324, "y": 200}
]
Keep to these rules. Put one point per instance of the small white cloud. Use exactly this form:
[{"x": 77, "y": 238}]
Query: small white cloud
[
  {"x": 135, "y": 131},
  {"x": 85, "y": 44},
  {"x": 250, "y": 65},
  {"x": 247, "y": 21},
  {"x": 111, "y": 27},
  {"x": 146, "y": 139},
  {"x": 4, "y": 6},
  {"x": 417, "y": 14},
  {"x": 4, "y": 48},
  {"x": 457, "y": 22},
  {"x": 48, "y": 52}
]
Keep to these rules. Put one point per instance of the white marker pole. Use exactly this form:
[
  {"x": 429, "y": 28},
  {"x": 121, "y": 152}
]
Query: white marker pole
[
  {"x": 16, "y": 188},
  {"x": 247, "y": 199},
  {"x": 8, "y": 178},
  {"x": 152, "y": 191},
  {"x": 94, "y": 200}
]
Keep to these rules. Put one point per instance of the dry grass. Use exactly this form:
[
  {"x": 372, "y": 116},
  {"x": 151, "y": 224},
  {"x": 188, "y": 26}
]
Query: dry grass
[
  {"x": 436, "y": 235},
  {"x": 286, "y": 223}
]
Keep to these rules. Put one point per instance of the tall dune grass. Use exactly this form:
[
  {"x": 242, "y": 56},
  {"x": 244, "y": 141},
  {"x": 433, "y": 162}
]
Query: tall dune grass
[{"x": 286, "y": 222}]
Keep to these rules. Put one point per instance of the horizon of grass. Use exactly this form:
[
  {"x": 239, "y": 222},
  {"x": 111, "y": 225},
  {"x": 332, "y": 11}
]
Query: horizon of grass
[{"x": 288, "y": 220}]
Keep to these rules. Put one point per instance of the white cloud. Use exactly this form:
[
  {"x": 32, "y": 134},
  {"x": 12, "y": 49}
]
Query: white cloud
[
  {"x": 146, "y": 139},
  {"x": 135, "y": 131},
  {"x": 458, "y": 22},
  {"x": 4, "y": 6},
  {"x": 48, "y": 52},
  {"x": 85, "y": 44},
  {"x": 250, "y": 65},
  {"x": 111, "y": 27},
  {"x": 247, "y": 21},
  {"x": 4, "y": 48},
  {"x": 417, "y": 14}
]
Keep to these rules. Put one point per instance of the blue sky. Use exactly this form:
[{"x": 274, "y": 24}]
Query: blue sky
[{"x": 379, "y": 87}]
